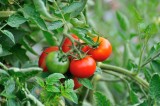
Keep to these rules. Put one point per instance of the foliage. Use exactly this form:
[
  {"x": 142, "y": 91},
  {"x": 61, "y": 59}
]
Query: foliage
[{"x": 130, "y": 76}]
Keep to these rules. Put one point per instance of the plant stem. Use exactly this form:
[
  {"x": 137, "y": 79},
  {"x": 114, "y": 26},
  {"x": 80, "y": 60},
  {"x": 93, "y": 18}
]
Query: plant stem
[
  {"x": 3, "y": 26},
  {"x": 65, "y": 33},
  {"x": 6, "y": 13},
  {"x": 3, "y": 66},
  {"x": 150, "y": 59},
  {"x": 124, "y": 72}
]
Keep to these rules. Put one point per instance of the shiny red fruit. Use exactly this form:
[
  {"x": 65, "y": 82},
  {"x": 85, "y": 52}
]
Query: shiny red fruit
[
  {"x": 102, "y": 51},
  {"x": 83, "y": 68}
]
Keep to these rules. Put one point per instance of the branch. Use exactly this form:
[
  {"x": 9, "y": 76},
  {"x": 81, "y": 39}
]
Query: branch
[{"x": 124, "y": 72}]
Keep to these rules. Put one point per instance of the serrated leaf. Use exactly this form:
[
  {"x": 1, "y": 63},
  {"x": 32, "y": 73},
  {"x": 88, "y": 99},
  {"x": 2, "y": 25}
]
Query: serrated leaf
[
  {"x": 10, "y": 86},
  {"x": 154, "y": 87},
  {"x": 101, "y": 100},
  {"x": 155, "y": 66},
  {"x": 53, "y": 78},
  {"x": 86, "y": 82},
  {"x": 74, "y": 8},
  {"x": 9, "y": 35},
  {"x": 41, "y": 8},
  {"x": 69, "y": 84},
  {"x": 55, "y": 25},
  {"x": 40, "y": 81},
  {"x": 71, "y": 96},
  {"x": 16, "y": 20},
  {"x": 133, "y": 97},
  {"x": 52, "y": 88},
  {"x": 52, "y": 40},
  {"x": 30, "y": 13},
  {"x": 82, "y": 34},
  {"x": 123, "y": 21}
]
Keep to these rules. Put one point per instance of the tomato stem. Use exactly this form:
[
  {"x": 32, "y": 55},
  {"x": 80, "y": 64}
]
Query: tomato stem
[
  {"x": 125, "y": 72},
  {"x": 3, "y": 66},
  {"x": 72, "y": 40}
]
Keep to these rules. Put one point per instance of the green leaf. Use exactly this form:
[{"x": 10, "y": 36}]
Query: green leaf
[
  {"x": 71, "y": 96},
  {"x": 86, "y": 82},
  {"x": 154, "y": 87},
  {"x": 53, "y": 78},
  {"x": 52, "y": 88},
  {"x": 55, "y": 25},
  {"x": 1, "y": 50},
  {"x": 52, "y": 40},
  {"x": 27, "y": 46},
  {"x": 82, "y": 34},
  {"x": 101, "y": 100},
  {"x": 40, "y": 81},
  {"x": 3, "y": 72},
  {"x": 133, "y": 97},
  {"x": 10, "y": 86},
  {"x": 16, "y": 20},
  {"x": 69, "y": 84},
  {"x": 9, "y": 35},
  {"x": 123, "y": 21},
  {"x": 74, "y": 8},
  {"x": 24, "y": 73},
  {"x": 30, "y": 13},
  {"x": 40, "y": 7},
  {"x": 18, "y": 56},
  {"x": 155, "y": 51},
  {"x": 151, "y": 29},
  {"x": 12, "y": 102},
  {"x": 144, "y": 103},
  {"x": 155, "y": 66}
]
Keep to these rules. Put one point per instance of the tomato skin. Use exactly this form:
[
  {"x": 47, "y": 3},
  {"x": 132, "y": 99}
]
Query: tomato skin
[
  {"x": 76, "y": 83},
  {"x": 66, "y": 46},
  {"x": 103, "y": 51},
  {"x": 83, "y": 68},
  {"x": 57, "y": 64},
  {"x": 42, "y": 58}
]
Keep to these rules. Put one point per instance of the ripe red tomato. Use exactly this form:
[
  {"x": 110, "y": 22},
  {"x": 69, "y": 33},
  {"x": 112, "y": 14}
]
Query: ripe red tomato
[
  {"x": 83, "y": 68},
  {"x": 102, "y": 51},
  {"x": 76, "y": 83},
  {"x": 42, "y": 58},
  {"x": 67, "y": 43}
]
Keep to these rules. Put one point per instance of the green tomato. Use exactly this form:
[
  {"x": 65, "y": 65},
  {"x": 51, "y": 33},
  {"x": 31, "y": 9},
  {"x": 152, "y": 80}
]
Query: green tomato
[{"x": 57, "y": 62}]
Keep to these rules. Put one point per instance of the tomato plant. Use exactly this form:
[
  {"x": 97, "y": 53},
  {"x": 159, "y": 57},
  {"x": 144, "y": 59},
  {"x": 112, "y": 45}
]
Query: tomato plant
[
  {"x": 42, "y": 58},
  {"x": 57, "y": 62},
  {"x": 118, "y": 68},
  {"x": 102, "y": 50},
  {"x": 83, "y": 68}
]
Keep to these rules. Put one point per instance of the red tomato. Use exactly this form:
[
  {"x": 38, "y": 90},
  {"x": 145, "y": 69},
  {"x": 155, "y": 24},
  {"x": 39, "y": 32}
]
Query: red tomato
[
  {"x": 102, "y": 51},
  {"x": 42, "y": 58},
  {"x": 76, "y": 83},
  {"x": 67, "y": 43},
  {"x": 83, "y": 68}
]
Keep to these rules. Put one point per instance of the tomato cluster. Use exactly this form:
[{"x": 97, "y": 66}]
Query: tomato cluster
[{"x": 54, "y": 60}]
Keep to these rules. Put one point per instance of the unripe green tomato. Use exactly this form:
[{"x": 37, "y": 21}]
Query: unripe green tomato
[{"x": 57, "y": 62}]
